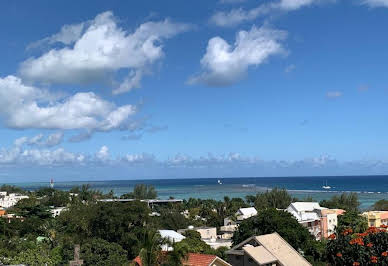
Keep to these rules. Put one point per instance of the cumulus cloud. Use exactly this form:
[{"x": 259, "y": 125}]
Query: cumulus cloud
[
  {"x": 32, "y": 107},
  {"x": 39, "y": 140},
  {"x": 96, "y": 50},
  {"x": 376, "y": 3},
  {"x": 224, "y": 64},
  {"x": 239, "y": 15},
  {"x": 103, "y": 153}
]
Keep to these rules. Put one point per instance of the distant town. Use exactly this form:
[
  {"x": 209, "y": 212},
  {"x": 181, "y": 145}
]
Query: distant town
[{"x": 54, "y": 227}]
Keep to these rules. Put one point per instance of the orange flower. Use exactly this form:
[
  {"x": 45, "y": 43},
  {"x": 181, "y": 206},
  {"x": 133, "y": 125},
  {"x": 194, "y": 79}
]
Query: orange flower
[
  {"x": 356, "y": 263},
  {"x": 384, "y": 254},
  {"x": 369, "y": 245},
  {"x": 332, "y": 236},
  {"x": 373, "y": 259},
  {"x": 357, "y": 241},
  {"x": 339, "y": 255}
]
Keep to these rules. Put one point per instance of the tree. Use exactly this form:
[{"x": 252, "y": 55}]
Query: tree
[
  {"x": 350, "y": 248},
  {"x": 381, "y": 205},
  {"x": 39, "y": 255},
  {"x": 141, "y": 191},
  {"x": 271, "y": 220},
  {"x": 194, "y": 243},
  {"x": 177, "y": 255},
  {"x": 275, "y": 198},
  {"x": 353, "y": 220},
  {"x": 150, "y": 252},
  {"x": 346, "y": 201},
  {"x": 172, "y": 219},
  {"x": 97, "y": 251}
]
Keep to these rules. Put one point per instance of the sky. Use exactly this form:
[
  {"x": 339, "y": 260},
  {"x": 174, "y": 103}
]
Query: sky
[{"x": 192, "y": 89}]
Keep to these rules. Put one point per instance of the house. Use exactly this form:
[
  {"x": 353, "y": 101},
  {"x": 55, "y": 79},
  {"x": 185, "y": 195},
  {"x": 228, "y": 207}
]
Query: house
[
  {"x": 195, "y": 259},
  {"x": 321, "y": 222},
  {"x": 9, "y": 200},
  {"x": 2, "y": 212},
  {"x": 270, "y": 249},
  {"x": 245, "y": 213},
  {"x": 376, "y": 218},
  {"x": 172, "y": 237},
  {"x": 209, "y": 236},
  {"x": 57, "y": 211}
]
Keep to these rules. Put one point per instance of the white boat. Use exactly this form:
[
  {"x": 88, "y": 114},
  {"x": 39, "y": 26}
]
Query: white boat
[
  {"x": 219, "y": 182},
  {"x": 326, "y": 186}
]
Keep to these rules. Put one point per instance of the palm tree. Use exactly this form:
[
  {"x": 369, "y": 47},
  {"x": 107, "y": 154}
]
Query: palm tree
[
  {"x": 178, "y": 254},
  {"x": 151, "y": 248}
]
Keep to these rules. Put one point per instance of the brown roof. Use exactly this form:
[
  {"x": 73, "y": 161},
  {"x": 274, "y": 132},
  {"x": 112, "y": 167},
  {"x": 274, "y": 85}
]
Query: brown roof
[{"x": 194, "y": 259}]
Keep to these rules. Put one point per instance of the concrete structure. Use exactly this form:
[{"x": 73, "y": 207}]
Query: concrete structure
[
  {"x": 270, "y": 249},
  {"x": 57, "y": 211},
  {"x": 9, "y": 200},
  {"x": 150, "y": 202},
  {"x": 210, "y": 237},
  {"x": 376, "y": 218},
  {"x": 329, "y": 221},
  {"x": 245, "y": 213},
  {"x": 171, "y": 236}
]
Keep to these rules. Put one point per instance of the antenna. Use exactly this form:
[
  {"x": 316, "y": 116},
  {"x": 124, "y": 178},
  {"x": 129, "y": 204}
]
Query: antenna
[{"x": 52, "y": 183}]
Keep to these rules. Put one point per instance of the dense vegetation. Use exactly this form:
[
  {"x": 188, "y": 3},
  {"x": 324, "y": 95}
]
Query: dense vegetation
[{"x": 114, "y": 233}]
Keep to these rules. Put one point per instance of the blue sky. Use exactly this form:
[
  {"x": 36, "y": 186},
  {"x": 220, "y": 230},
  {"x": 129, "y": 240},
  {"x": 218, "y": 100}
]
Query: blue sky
[{"x": 183, "y": 89}]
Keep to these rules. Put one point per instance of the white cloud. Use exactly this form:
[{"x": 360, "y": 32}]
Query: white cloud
[
  {"x": 103, "y": 153},
  {"x": 334, "y": 94},
  {"x": 376, "y": 3},
  {"x": 139, "y": 158},
  {"x": 238, "y": 15},
  {"x": 31, "y": 107},
  {"x": 100, "y": 50},
  {"x": 224, "y": 64},
  {"x": 39, "y": 140}
]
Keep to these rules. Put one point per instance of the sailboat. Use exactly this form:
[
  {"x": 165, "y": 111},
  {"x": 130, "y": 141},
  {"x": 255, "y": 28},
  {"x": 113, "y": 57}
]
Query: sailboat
[
  {"x": 326, "y": 186},
  {"x": 219, "y": 182}
]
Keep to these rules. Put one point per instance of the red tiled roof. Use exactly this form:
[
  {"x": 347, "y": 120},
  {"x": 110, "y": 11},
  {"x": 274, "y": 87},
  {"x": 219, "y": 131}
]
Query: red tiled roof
[{"x": 194, "y": 259}]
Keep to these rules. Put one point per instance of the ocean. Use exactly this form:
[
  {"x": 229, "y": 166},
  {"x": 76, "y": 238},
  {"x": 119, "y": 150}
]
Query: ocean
[{"x": 369, "y": 188}]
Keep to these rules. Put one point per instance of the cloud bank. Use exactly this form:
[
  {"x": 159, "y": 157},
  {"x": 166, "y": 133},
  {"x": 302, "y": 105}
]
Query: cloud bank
[{"x": 95, "y": 50}]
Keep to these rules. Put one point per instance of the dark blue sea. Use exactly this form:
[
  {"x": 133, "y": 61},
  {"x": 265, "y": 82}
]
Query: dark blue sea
[{"x": 369, "y": 188}]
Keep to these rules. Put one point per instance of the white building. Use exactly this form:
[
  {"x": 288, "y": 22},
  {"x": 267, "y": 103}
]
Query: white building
[
  {"x": 245, "y": 213},
  {"x": 308, "y": 215},
  {"x": 171, "y": 236},
  {"x": 57, "y": 211},
  {"x": 7, "y": 201}
]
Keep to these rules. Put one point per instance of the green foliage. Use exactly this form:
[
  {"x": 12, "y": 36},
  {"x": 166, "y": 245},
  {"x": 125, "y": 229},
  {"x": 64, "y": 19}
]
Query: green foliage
[
  {"x": 172, "y": 219},
  {"x": 194, "y": 243},
  {"x": 346, "y": 201},
  {"x": 141, "y": 191},
  {"x": 177, "y": 255},
  {"x": 39, "y": 255},
  {"x": 381, "y": 205},
  {"x": 368, "y": 248},
  {"x": 150, "y": 252},
  {"x": 12, "y": 189},
  {"x": 101, "y": 252},
  {"x": 353, "y": 220},
  {"x": 269, "y": 221},
  {"x": 117, "y": 222},
  {"x": 275, "y": 198}
]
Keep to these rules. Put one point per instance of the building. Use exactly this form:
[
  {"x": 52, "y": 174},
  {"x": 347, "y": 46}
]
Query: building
[
  {"x": 270, "y": 249},
  {"x": 9, "y": 200},
  {"x": 2, "y": 212},
  {"x": 376, "y": 218},
  {"x": 195, "y": 259},
  {"x": 329, "y": 221},
  {"x": 210, "y": 237},
  {"x": 57, "y": 211},
  {"x": 172, "y": 237},
  {"x": 307, "y": 215},
  {"x": 150, "y": 202},
  {"x": 245, "y": 213}
]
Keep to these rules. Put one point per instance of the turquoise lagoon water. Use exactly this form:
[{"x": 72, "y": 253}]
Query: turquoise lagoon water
[{"x": 369, "y": 188}]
